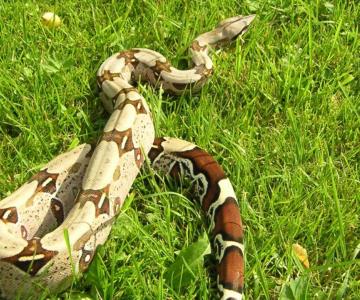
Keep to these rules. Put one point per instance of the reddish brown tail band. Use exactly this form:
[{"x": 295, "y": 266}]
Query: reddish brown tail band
[{"x": 218, "y": 201}]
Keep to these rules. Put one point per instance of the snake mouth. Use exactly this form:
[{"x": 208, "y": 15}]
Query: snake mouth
[{"x": 245, "y": 29}]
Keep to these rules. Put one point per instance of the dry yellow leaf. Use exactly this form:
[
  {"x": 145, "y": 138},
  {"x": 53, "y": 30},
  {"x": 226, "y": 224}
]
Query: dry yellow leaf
[
  {"x": 301, "y": 254},
  {"x": 50, "y": 19}
]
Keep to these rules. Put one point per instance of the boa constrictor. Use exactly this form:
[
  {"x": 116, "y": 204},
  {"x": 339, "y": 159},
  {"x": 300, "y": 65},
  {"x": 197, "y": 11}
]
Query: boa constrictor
[{"x": 51, "y": 226}]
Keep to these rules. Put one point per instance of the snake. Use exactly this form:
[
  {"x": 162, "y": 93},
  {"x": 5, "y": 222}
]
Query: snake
[{"x": 52, "y": 225}]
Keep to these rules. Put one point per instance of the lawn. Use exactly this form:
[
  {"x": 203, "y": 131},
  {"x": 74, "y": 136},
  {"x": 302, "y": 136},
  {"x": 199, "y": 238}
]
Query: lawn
[{"x": 281, "y": 114}]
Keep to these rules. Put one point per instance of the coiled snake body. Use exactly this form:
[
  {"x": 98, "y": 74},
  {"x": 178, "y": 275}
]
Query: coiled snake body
[{"x": 51, "y": 226}]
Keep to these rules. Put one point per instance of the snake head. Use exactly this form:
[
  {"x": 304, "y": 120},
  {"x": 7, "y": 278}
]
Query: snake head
[
  {"x": 226, "y": 32},
  {"x": 234, "y": 27}
]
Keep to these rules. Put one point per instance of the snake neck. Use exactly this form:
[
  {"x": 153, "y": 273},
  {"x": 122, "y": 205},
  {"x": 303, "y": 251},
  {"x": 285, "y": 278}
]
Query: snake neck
[{"x": 139, "y": 64}]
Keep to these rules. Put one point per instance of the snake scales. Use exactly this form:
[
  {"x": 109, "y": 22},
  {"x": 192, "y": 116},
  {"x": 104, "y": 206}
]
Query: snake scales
[{"x": 81, "y": 192}]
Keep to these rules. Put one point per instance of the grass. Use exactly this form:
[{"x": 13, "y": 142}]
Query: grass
[{"x": 281, "y": 114}]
